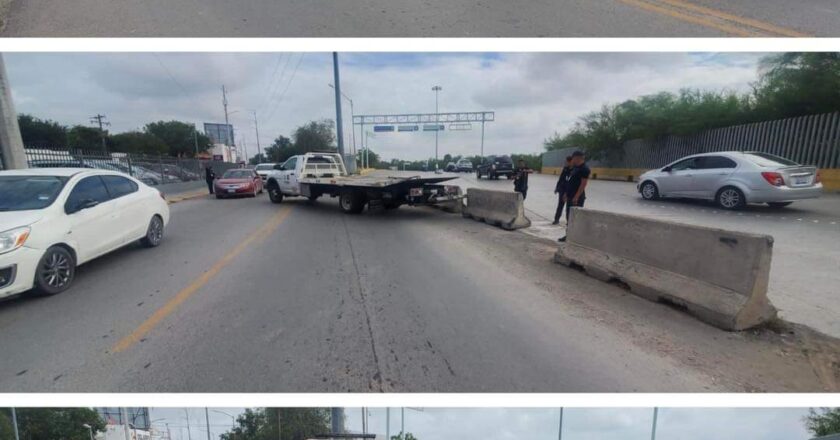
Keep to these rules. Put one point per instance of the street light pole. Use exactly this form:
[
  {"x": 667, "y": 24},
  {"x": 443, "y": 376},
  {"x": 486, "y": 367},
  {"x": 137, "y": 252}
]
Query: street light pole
[
  {"x": 14, "y": 424},
  {"x": 257, "y": 128},
  {"x": 207, "y": 419},
  {"x": 436, "y": 89},
  {"x": 189, "y": 432},
  {"x": 338, "y": 123},
  {"x": 653, "y": 428},
  {"x": 560, "y": 430}
]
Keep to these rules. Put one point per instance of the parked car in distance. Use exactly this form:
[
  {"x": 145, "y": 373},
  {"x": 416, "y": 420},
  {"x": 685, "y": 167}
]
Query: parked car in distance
[
  {"x": 733, "y": 179},
  {"x": 238, "y": 182},
  {"x": 450, "y": 167},
  {"x": 494, "y": 166},
  {"x": 264, "y": 169},
  {"x": 53, "y": 220},
  {"x": 464, "y": 166}
]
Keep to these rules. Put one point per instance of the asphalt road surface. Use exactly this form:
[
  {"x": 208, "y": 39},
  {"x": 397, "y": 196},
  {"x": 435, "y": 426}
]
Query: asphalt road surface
[
  {"x": 247, "y": 296},
  {"x": 426, "y": 18}
]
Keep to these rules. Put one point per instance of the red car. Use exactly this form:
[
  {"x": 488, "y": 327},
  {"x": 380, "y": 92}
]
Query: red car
[{"x": 238, "y": 182}]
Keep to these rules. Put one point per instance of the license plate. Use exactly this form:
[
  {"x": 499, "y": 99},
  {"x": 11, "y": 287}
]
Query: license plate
[
  {"x": 416, "y": 192},
  {"x": 801, "y": 181},
  {"x": 231, "y": 190}
]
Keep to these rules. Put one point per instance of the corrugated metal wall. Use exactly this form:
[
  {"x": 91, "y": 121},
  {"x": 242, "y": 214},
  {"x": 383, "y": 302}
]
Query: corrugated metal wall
[{"x": 810, "y": 140}]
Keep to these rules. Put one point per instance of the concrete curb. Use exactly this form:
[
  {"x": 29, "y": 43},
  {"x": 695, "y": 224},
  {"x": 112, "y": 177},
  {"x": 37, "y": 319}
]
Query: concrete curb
[{"x": 185, "y": 196}]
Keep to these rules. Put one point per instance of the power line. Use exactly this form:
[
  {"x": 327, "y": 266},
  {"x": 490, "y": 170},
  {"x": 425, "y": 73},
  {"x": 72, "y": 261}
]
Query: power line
[
  {"x": 291, "y": 79},
  {"x": 271, "y": 82},
  {"x": 272, "y": 95}
]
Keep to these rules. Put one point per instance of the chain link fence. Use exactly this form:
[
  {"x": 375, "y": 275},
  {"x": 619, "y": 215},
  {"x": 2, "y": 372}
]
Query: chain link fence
[{"x": 150, "y": 169}]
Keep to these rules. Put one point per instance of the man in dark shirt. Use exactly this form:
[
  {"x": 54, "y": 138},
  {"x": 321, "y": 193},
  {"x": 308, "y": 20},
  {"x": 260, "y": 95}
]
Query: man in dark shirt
[
  {"x": 560, "y": 190},
  {"x": 520, "y": 182},
  {"x": 209, "y": 177},
  {"x": 576, "y": 183}
]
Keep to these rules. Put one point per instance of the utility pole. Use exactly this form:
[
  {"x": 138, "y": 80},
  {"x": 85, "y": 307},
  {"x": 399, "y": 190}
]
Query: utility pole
[
  {"x": 195, "y": 139},
  {"x": 402, "y": 423},
  {"x": 338, "y": 124},
  {"x": 482, "y": 155},
  {"x": 257, "y": 128},
  {"x": 560, "y": 431},
  {"x": 279, "y": 431},
  {"x": 207, "y": 419},
  {"x": 99, "y": 119},
  {"x": 653, "y": 428},
  {"x": 189, "y": 432},
  {"x": 436, "y": 89},
  {"x": 124, "y": 418},
  {"x": 387, "y": 423},
  {"x": 14, "y": 424},
  {"x": 227, "y": 123},
  {"x": 12, "y": 152}
]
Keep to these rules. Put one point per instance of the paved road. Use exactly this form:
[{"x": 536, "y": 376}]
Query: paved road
[
  {"x": 806, "y": 259},
  {"x": 427, "y": 18},
  {"x": 245, "y": 295}
]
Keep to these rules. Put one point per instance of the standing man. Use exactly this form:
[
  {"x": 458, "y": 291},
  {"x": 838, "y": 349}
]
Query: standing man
[
  {"x": 520, "y": 182},
  {"x": 560, "y": 190},
  {"x": 576, "y": 183},
  {"x": 209, "y": 176}
]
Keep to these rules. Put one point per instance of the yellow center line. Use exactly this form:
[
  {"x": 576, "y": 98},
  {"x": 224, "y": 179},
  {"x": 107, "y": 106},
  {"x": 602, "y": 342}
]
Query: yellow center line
[
  {"x": 187, "y": 292},
  {"x": 713, "y": 18}
]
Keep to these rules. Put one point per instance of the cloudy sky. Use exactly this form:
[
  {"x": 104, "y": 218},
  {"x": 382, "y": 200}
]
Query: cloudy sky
[
  {"x": 533, "y": 94},
  {"x": 542, "y": 424}
]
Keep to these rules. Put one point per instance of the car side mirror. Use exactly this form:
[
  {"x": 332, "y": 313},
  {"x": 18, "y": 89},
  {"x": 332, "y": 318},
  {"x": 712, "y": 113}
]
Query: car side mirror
[{"x": 666, "y": 169}]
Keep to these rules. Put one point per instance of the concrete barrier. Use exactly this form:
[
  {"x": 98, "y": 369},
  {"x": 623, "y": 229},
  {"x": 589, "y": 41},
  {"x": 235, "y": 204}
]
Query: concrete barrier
[
  {"x": 719, "y": 276},
  {"x": 501, "y": 208}
]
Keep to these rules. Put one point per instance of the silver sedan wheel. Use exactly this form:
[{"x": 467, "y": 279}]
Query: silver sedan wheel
[
  {"x": 730, "y": 198},
  {"x": 648, "y": 191}
]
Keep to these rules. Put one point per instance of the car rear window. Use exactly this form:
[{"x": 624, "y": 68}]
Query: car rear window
[
  {"x": 237, "y": 174},
  {"x": 20, "y": 193},
  {"x": 263, "y": 167},
  {"x": 769, "y": 160}
]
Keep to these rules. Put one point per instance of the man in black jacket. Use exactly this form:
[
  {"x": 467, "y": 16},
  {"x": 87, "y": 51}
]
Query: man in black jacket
[
  {"x": 209, "y": 176},
  {"x": 560, "y": 190},
  {"x": 576, "y": 183},
  {"x": 520, "y": 182}
]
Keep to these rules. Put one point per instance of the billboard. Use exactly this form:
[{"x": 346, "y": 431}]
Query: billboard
[{"x": 219, "y": 133}]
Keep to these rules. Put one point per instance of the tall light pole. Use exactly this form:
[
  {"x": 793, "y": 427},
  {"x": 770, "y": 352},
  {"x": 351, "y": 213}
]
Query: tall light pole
[
  {"x": 560, "y": 429},
  {"x": 207, "y": 419},
  {"x": 124, "y": 414},
  {"x": 11, "y": 145},
  {"x": 352, "y": 118},
  {"x": 14, "y": 419},
  {"x": 436, "y": 89},
  {"x": 387, "y": 423},
  {"x": 257, "y": 128},
  {"x": 653, "y": 428},
  {"x": 338, "y": 123},
  {"x": 227, "y": 123}
]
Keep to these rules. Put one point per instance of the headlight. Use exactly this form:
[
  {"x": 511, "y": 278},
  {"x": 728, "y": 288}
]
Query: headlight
[{"x": 13, "y": 239}]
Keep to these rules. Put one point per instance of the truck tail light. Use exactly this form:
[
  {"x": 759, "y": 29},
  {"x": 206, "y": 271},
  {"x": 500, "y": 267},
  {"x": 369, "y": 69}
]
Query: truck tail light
[
  {"x": 774, "y": 179},
  {"x": 817, "y": 177}
]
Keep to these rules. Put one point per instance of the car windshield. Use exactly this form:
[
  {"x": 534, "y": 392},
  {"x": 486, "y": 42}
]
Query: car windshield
[
  {"x": 21, "y": 193},
  {"x": 237, "y": 174},
  {"x": 264, "y": 167},
  {"x": 769, "y": 160}
]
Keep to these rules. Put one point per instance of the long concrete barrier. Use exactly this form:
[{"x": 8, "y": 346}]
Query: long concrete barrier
[
  {"x": 501, "y": 208},
  {"x": 717, "y": 275}
]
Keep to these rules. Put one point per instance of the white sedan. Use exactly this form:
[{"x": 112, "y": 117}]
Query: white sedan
[{"x": 52, "y": 220}]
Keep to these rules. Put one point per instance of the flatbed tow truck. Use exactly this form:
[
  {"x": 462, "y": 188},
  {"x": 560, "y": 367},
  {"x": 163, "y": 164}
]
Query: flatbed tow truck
[{"x": 313, "y": 175}]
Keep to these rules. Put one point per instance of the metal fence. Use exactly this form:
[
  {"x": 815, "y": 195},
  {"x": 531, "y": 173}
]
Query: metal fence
[
  {"x": 810, "y": 140},
  {"x": 153, "y": 170}
]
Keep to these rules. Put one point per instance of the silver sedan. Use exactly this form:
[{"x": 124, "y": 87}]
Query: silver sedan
[{"x": 732, "y": 179}]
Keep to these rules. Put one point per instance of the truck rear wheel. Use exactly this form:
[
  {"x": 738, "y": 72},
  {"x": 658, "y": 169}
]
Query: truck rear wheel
[{"x": 351, "y": 202}]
